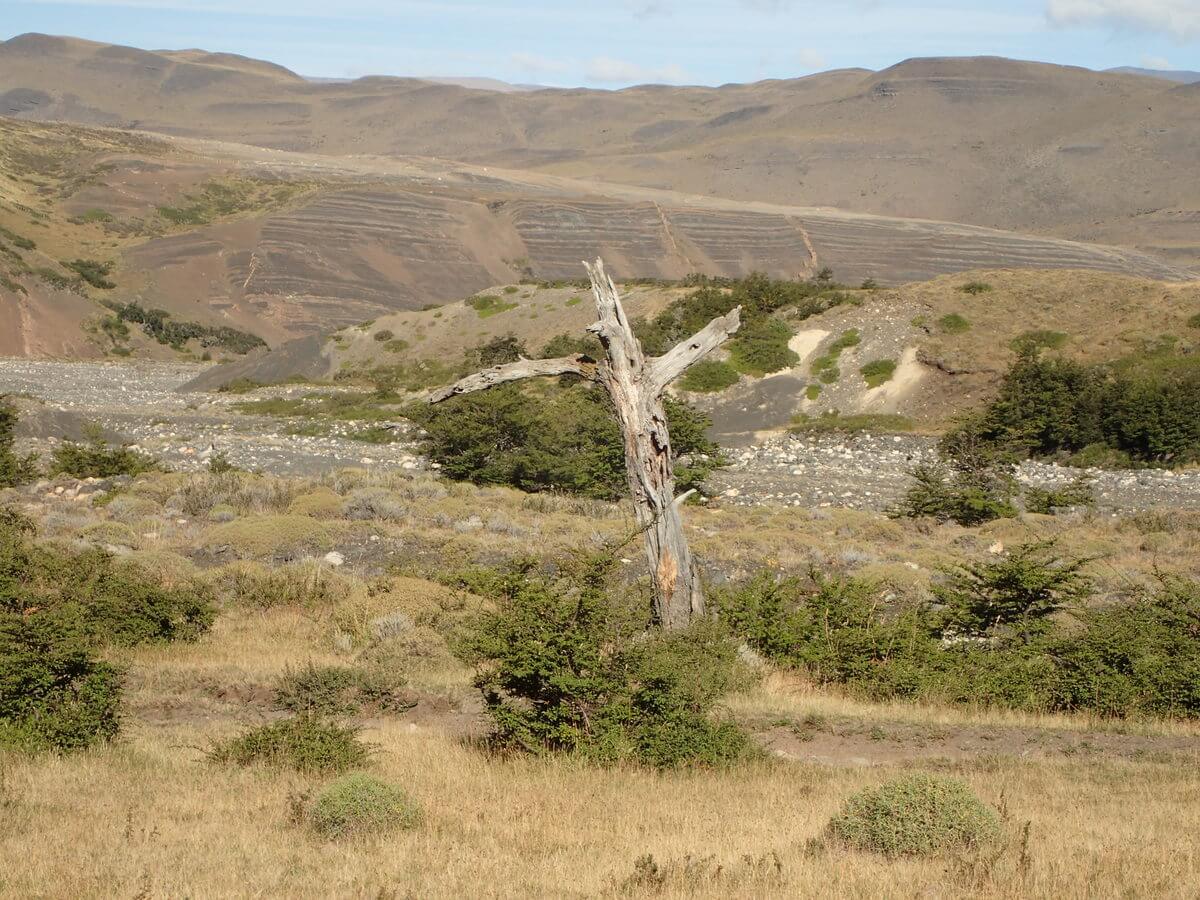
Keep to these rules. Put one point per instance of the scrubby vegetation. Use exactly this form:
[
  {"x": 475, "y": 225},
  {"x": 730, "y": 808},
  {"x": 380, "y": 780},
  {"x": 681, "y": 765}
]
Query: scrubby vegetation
[
  {"x": 709, "y": 376},
  {"x": 58, "y": 608},
  {"x": 878, "y": 372},
  {"x": 953, "y": 323},
  {"x": 93, "y": 272},
  {"x": 1143, "y": 409},
  {"x": 14, "y": 469},
  {"x": 158, "y": 324},
  {"x": 341, "y": 690},
  {"x": 761, "y": 345},
  {"x": 97, "y": 459},
  {"x": 305, "y": 743},
  {"x": 358, "y": 805},
  {"x": 571, "y": 663},
  {"x": 488, "y": 305},
  {"x": 551, "y": 437},
  {"x": 825, "y": 367},
  {"x": 916, "y": 815},
  {"x": 994, "y": 635}
]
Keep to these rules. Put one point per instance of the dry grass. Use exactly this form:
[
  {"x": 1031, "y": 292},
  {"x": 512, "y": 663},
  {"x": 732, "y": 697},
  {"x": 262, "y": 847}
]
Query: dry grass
[{"x": 150, "y": 817}]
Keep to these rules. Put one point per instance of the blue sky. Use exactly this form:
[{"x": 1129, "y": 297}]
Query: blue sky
[{"x": 621, "y": 42}]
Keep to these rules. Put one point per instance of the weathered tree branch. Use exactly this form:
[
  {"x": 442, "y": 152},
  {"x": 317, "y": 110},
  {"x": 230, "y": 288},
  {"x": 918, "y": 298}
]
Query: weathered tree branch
[
  {"x": 663, "y": 370},
  {"x": 521, "y": 369}
]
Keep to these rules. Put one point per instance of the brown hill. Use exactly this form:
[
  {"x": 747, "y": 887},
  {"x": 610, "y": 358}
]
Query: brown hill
[
  {"x": 1020, "y": 146},
  {"x": 287, "y": 244}
]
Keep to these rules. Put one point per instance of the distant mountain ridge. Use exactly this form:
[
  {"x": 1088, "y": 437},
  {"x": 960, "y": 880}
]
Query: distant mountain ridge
[{"x": 1168, "y": 75}]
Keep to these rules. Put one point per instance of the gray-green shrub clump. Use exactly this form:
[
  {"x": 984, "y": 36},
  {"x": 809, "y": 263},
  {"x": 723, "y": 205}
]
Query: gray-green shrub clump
[
  {"x": 358, "y": 805},
  {"x": 305, "y": 743},
  {"x": 916, "y": 815},
  {"x": 14, "y": 469},
  {"x": 572, "y": 663}
]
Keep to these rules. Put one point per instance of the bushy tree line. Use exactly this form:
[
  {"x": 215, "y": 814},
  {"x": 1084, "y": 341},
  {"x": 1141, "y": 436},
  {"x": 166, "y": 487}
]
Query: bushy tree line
[
  {"x": 1144, "y": 409},
  {"x": 1017, "y": 632},
  {"x": 551, "y": 436},
  {"x": 158, "y": 324}
]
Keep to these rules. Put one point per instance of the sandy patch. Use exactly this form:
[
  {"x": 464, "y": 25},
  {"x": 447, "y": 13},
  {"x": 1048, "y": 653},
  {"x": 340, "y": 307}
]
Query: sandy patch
[{"x": 805, "y": 343}]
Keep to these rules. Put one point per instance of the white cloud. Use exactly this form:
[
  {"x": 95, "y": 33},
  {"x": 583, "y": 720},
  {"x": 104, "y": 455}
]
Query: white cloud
[
  {"x": 1161, "y": 63},
  {"x": 1179, "y": 18},
  {"x": 607, "y": 70}
]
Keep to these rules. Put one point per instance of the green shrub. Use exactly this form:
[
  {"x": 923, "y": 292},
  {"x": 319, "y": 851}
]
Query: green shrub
[
  {"x": 14, "y": 469},
  {"x": 158, "y": 324},
  {"x": 93, "y": 272},
  {"x": 1146, "y": 407},
  {"x": 760, "y": 347},
  {"x": 305, "y": 743},
  {"x": 1040, "y": 339},
  {"x": 1194, "y": 321},
  {"x": 949, "y": 495},
  {"x": 551, "y": 437},
  {"x": 54, "y": 693},
  {"x": 383, "y": 336},
  {"x": 503, "y": 348},
  {"x": 812, "y": 392},
  {"x": 1046, "y": 500},
  {"x": 953, "y": 323},
  {"x": 571, "y": 663},
  {"x": 488, "y": 305},
  {"x": 976, "y": 287},
  {"x": 96, "y": 459},
  {"x": 570, "y": 345},
  {"x": 998, "y": 642},
  {"x": 878, "y": 371},
  {"x": 358, "y": 805},
  {"x": 340, "y": 691},
  {"x": 1017, "y": 592},
  {"x": 915, "y": 815},
  {"x": 825, "y": 366},
  {"x": 57, "y": 608},
  {"x": 709, "y": 376},
  {"x": 758, "y": 295}
]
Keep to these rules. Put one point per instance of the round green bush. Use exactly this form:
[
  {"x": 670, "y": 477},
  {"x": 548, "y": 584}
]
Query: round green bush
[
  {"x": 916, "y": 815},
  {"x": 359, "y": 804}
]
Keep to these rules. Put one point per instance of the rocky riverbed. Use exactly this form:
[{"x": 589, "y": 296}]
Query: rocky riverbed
[{"x": 140, "y": 400}]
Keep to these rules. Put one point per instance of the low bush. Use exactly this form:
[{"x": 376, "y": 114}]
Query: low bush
[
  {"x": 571, "y": 663},
  {"x": 825, "y": 367},
  {"x": 953, "y": 323},
  {"x": 341, "y": 691},
  {"x": 1194, "y": 321},
  {"x": 709, "y": 377},
  {"x": 488, "y": 305},
  {"x": 947, "y": 495},
  {"x": 915, "y": 815},
  {"x": 93, "y": 272},
  {"x": 57, "y": 609},
  {"x": 383, "y": 336},
  {"x": 976, "y": 287},
  {"x": 1017, "y": 592},
  {"x": 305, "y": 743},
  {"x": 1137, "y": 657},
  {"x": 878, "y": 372},
  {"x": 551, "y": 437},
  {"x": 760, "y": 347},
  {"x": 358, "y": 805},
  {"x": 14, "y": 469},
  {"x": 272, "y": 535},
  {"x": 1040, "y": 339},
  {"x": 97, "y": 459},
  {"x": 307, "y": 585},
  {"x": 1044, "y": 501}
]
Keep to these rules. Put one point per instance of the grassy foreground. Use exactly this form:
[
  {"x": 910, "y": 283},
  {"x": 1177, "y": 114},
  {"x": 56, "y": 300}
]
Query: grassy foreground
[{"x": 1112, "y": 809}]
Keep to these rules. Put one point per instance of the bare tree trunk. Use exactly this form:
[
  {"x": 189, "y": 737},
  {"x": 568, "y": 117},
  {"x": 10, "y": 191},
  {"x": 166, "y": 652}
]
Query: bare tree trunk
[{"x": 635, "y": 386}]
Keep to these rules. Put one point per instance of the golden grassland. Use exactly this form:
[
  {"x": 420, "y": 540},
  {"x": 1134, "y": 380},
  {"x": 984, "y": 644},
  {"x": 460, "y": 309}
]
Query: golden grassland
[{"x": 1091, "y": 808}]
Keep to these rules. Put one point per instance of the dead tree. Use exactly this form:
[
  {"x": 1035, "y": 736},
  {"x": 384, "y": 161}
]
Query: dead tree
[{"x": 636, "y": 385}]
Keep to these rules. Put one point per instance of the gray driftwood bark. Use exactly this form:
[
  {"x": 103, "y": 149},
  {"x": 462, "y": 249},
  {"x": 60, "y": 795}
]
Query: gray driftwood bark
[{"x": 635, "y": 384}]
